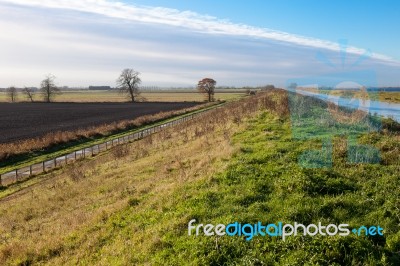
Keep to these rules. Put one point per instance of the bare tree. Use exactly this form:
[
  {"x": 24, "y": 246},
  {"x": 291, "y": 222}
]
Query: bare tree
[
  {"x": 12, "y": 93},
  {"x": 269, "y": 87},
  {"x": 128, "y": 82},
  {"x": 29, "y": 93},
  {"x": 207, "y": 85},
  {"x": 49, "y": 88}
]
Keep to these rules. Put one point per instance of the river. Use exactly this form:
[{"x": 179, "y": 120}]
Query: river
[{"x": 385, "y": 109}]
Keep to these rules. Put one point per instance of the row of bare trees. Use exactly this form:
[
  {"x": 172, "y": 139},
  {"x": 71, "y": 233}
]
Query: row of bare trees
[
  {"x": 128, "y": 83},
  {"x": 12, "y": 93},
  {"x": 48, "y": 90}
]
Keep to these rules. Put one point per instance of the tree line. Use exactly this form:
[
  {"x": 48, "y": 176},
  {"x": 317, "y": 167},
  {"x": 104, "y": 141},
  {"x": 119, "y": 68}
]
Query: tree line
[
  {"x": 127, "y": 83},
  {"x": 48, "y": 90}
]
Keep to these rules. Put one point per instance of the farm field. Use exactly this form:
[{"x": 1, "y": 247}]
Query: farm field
[
  {"x": 131, "y": 206},
  {"x": 30, "y": 120},
  {"x": 114, "y": 96}
]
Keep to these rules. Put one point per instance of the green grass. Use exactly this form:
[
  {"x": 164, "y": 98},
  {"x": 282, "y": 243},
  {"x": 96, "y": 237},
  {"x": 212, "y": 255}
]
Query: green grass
[
  {"x": 136, "y": 210},
  {"x": 265, "y": 183}
]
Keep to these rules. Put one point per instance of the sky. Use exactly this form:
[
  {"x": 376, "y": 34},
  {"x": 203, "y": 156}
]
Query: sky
[{"x": 176, "y": 43}]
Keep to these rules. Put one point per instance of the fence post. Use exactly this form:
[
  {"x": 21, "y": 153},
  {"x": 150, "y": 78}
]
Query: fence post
[
  {"x": 55, "y": 162},
  {"x": 43, "y": 167},
  {"x": 66, "y": 160},
  {"x": 75, "y": 155},
  {"x": 1, "y": 180},
  {"x": 30, "y": 170},
  {"x": 16, "y": 174}
]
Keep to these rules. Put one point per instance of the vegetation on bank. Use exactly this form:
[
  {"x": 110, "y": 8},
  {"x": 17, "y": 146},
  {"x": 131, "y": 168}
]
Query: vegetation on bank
[
  {"x": 239, "y": 163},
  {"x": 383, "y": 96}
]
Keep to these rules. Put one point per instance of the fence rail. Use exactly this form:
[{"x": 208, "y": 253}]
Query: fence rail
[{"x": 22, "y": 173}]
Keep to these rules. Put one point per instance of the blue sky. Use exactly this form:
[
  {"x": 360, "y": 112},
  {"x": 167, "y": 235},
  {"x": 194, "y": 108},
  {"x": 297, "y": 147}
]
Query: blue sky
[
  {"x": 176, "y": 43},
  {"x": 368, "y": 24}
]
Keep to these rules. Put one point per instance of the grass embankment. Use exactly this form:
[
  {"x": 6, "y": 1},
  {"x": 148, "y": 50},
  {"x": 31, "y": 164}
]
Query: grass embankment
[{"x": 132, "y": 206}]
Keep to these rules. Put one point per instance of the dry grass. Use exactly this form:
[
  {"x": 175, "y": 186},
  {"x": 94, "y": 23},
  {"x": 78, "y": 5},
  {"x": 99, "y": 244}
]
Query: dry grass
[
  {"x": 25, "y": 146},
  {"x": 62, "y": 217},
  {"x": 115, "y": 96}
]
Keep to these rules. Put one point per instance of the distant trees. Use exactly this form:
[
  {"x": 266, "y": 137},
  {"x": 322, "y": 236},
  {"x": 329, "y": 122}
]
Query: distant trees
[
  {"x": 207, "y": 85},
  {"x": 28, "y": 93},
  {"x": 128, "y": 82},
  {"x": 250, "y": 91},
  {"x": 12, "y": 93},
  {"x": 269, "y": 87},
  {"x": 48, "y": 88}
]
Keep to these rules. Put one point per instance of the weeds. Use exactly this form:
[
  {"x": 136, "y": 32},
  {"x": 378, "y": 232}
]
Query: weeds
[
  {"x": 77, "y": 174},
  {"x": 120, "y": 151}
]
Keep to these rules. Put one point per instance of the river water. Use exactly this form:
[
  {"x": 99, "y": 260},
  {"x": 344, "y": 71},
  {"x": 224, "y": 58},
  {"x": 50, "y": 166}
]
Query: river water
[{"x": 385, "y": 109}]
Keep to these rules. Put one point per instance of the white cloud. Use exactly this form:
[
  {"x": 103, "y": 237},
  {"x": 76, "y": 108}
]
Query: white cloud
[
  {"x": 89, "y": 42},
  {"x": 186, "y": 19}
]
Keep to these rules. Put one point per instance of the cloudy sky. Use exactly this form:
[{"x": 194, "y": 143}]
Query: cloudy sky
[{"x": 176, "y": 43}]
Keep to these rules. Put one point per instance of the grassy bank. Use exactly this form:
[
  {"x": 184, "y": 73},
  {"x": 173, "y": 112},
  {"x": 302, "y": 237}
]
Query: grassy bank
[{"x": 240, "y": 163}]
